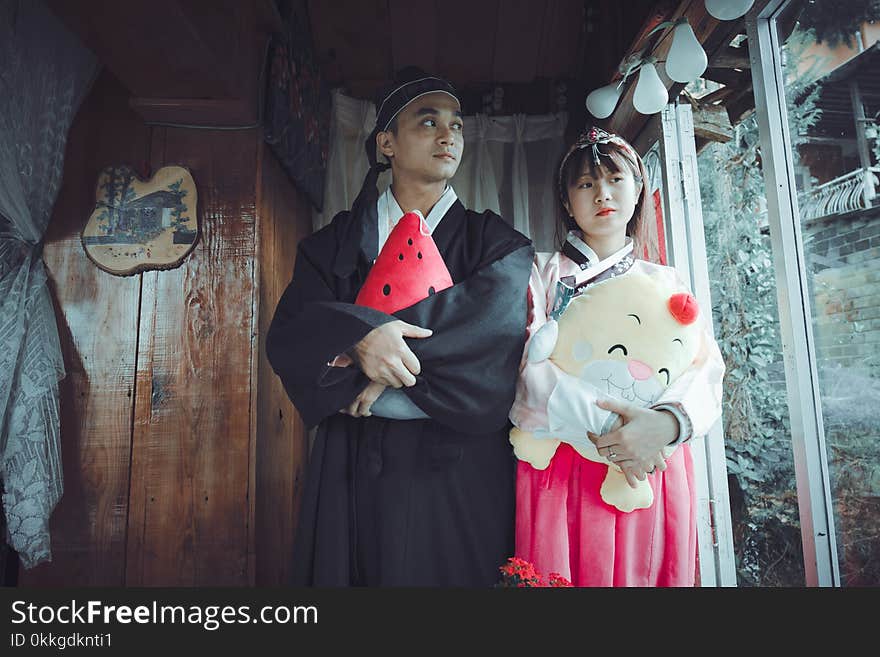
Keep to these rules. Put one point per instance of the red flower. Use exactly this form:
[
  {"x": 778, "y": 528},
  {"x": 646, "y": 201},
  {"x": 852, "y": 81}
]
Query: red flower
[
  {"x": 519, "y": 573},
  {"x": 557, "y": 580}
]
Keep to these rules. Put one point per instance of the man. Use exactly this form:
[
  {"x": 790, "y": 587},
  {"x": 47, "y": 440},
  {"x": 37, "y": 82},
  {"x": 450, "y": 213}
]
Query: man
[{"x": 427, "y": 500}]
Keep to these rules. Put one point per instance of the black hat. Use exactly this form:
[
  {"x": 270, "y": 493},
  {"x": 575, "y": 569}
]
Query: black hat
[
  {"x": 362, "y": 234},
  {"x": 409, "y": 83}
]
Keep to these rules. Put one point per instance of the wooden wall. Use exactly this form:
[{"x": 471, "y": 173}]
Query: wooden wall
[
  {"x": 282, "y": 438},
  {"x": 97, "y": 322},
  {"x": 174, "y": 428}
]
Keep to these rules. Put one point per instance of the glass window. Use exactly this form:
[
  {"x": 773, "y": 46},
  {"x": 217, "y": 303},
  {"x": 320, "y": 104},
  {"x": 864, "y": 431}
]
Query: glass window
[
  {"x": 830, "y": 62},
  {"x": 757, "y": 434},
  {"x": 760, "y": 464}
]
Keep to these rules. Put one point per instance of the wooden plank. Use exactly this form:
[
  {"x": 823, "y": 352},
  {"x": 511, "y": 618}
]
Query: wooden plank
[
  {"x": 729, "y": 57},
  {"x": 618, "y": 27},
  {"x": 414, "y": 29},
  {"x": 626, "y": 120},
  {"x": 352, "y": 39},
  {"x": 262, "y": 244},
  {"x": 183, "y": 49},
  {"x": 728, "y": 77},
  {"x": 712, "y": 123},
  {"x": 560, "y": 38},
  {"x": 97, "y": 318},
  {"x": 139, "y": 501},
  {"x": 237, "y": 35},
  {"x": 741, "y": 105},
  {"x": 283, "y": 218},
  {"x": 713, "y": 97},
  {"x": 465, "y": 45},
  {"x": 147, "y": 45},
  {"x": 517, "y": 41},
  {"x": 260, "y": 533},
  {"x": 189, "y": 518},
  {"x": 235, "y": 112}
]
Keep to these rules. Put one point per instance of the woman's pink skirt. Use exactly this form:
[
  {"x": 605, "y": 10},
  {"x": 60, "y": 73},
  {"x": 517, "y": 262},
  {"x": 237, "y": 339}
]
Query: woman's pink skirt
[{"x": 563, "y": 526}]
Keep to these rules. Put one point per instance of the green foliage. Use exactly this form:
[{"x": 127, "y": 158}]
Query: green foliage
[
  {"x": 103, "y": 220},
  {"x": 836, "y": 22},
  {"x": 117, "y": 192},
  {"x": 758, "y": 447},
  {"x": 758, "y": 450},
  {"x": 757, "y": 433},
  {"x": 177, "y": 221}
]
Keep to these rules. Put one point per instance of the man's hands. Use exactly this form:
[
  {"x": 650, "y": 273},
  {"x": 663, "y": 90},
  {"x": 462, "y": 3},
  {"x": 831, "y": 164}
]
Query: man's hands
[
  {"x": 360, "y": 407},
  {"x": 384, "y": 356},
  {"x": 386, "y": 359},
  {"x": 636, "y": 439}
]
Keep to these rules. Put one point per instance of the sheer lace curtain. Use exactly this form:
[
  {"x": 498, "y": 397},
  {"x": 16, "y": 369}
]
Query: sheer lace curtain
[
  {"x": 44, "y": 73},
  {"x": 509, "y": 166}
]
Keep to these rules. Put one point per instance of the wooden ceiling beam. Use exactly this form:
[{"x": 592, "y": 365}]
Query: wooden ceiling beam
[
  {"x": 626, "y": 120},
  {"x": 465, "y": 39},
  {"x": 741, "y": 105},
  {"x": 353, "y": 40},
  {"x": 560, "y": 39},
  {"x": 728, "y": 77},
  {"x": 186, "y": 61},
  {"x": 717, "y": 95},
  {"x": 729, "y": 57},
  {"x": 712, "y": 123},
  {"x": 405, "y": 52},
  {"x": 713, "y": 34}
]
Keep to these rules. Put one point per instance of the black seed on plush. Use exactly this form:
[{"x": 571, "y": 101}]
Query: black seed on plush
[
  {"x": 431, "y": 290},
  {"x": 400, "y": 257},
  {"x": 409, "y": 241},
  {"x": 420, "y": 255},
  {"x": 386, "y": 290}
]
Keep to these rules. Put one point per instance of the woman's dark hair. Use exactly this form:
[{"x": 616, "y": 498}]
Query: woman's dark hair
[{"x": 613, "y": 157}]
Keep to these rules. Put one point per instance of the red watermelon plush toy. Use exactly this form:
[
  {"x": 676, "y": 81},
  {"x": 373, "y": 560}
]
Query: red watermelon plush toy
[{"x": 409, "y": 268}]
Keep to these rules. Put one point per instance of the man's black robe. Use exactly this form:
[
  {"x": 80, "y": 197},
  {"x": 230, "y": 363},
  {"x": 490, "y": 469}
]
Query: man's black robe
[{"x": 407, "y": 502}]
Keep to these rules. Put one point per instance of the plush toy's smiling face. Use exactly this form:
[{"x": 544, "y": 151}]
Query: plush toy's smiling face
[{"x": 629, "y": 336}]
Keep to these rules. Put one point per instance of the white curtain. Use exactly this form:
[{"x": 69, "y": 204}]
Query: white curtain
[
  {"x": 44, "y": 74},
  {"x": 509, "y": 166}
]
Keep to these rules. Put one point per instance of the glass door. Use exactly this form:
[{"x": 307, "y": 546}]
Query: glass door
[{"x": 819, "y": 78}]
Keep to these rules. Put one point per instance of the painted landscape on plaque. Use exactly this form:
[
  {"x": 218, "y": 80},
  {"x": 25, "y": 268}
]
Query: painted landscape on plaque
[{"x": 139, "y": 225}]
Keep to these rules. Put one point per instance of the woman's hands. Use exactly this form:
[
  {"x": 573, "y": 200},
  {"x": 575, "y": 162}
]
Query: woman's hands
[{"x": 636, "y": 440}]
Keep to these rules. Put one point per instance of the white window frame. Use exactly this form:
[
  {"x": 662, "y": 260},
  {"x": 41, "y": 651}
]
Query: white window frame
[
  {"x": 795, "y": 319},
  {"x": 686, "y": 252}
]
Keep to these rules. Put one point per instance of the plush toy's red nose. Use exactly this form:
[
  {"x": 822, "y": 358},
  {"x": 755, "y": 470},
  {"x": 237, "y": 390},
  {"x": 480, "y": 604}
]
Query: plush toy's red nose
[{"x": 684, "y": 308}]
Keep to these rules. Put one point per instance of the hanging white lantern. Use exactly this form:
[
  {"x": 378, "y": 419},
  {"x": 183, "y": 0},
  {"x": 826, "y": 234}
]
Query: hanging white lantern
[
  {"x": 602, "y": 101},
  {"x": 651, "y": 95},
  {"x": 727, "y": 10},
  {"x": 686, "y": 60}
]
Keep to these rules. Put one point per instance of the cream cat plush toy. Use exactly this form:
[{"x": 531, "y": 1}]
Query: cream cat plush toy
[{"x": 628, "y": 337}]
